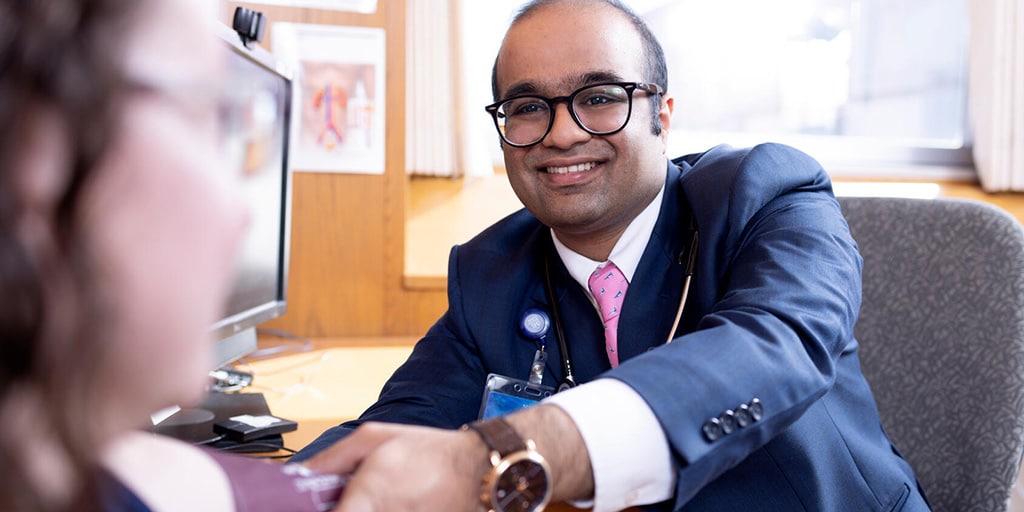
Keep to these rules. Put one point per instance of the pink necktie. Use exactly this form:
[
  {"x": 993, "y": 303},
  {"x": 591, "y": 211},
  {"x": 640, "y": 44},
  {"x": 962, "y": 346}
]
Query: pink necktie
[{"x": 608, "y": 286}]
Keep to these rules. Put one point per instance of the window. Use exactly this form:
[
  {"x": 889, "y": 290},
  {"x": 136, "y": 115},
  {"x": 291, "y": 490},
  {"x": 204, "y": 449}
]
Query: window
[{"x": 854, "y": 82}]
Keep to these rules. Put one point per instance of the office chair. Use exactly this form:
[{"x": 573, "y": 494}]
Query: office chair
[{"x": 941, "y": 332}]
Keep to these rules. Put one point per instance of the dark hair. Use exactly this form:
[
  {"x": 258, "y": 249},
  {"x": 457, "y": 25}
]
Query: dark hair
[
  {"x": 655, "y": 70},
  {"x": 59, "y": 59}
]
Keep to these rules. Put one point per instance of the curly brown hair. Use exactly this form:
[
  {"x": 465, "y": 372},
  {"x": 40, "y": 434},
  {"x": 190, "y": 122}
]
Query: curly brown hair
[{"x": 61, "y": 58}]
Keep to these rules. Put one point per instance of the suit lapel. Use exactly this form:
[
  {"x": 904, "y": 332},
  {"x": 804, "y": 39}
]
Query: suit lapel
[{"x": 647, "y": 317}]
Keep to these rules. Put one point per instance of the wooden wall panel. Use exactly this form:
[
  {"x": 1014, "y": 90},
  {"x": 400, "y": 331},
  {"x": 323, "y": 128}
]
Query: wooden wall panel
[
  {"x": 348, "y": 230},
  {"x": 336, "y": 268}
]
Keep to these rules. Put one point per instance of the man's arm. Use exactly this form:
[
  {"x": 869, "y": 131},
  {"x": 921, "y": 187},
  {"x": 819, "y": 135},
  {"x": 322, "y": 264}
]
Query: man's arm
[
  {"x": 448, "y": 465},
  {"x": 778, "y": 285},
  {"x": 442, "y": 382}
]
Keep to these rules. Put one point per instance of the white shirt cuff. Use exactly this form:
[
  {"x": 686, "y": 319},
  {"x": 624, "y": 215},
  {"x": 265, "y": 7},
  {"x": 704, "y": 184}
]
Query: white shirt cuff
[{"x": 629, "y": 453}]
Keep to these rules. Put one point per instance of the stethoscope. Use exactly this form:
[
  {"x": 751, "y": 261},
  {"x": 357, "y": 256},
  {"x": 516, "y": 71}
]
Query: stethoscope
[{"x": 535, "y": 323}]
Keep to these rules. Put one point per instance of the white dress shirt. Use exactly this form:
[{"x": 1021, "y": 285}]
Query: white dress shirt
[{"x": 628, "y": 450}]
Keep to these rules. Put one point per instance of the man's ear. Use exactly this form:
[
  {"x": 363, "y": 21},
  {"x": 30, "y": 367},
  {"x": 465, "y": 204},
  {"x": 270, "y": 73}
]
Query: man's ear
[{"x": 665, "y": 115}]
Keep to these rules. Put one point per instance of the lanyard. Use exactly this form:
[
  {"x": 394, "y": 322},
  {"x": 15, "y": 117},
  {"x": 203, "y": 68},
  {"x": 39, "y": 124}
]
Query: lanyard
[
  {"x": 687, "y": 257},
  {"x": 568, "y": 377}
]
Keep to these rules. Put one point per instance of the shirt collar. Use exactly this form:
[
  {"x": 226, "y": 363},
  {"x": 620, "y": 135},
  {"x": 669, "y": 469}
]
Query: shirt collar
[{"x": 627, "y": 251}]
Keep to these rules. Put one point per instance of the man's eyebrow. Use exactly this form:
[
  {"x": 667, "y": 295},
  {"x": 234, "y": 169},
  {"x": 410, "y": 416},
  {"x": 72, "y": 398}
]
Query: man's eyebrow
[
  {"x": 521, "y": 89},
  {"x": 595, "y": 77},
  {"x": 572, "y": 83}
]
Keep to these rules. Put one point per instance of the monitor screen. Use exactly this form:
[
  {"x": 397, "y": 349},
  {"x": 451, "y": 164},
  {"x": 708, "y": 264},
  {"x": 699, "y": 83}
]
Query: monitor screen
[{"x": 254, "y": 128}]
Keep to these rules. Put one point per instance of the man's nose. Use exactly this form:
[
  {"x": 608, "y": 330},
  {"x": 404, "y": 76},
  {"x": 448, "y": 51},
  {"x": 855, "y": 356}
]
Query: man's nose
[{"x": 564, "y": 130}]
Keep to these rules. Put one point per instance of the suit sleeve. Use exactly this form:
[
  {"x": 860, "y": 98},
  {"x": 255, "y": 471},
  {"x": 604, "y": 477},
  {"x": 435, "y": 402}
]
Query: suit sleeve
[
  {"x": 434, "y": 387},
  {"x": 779, "y": 277}
]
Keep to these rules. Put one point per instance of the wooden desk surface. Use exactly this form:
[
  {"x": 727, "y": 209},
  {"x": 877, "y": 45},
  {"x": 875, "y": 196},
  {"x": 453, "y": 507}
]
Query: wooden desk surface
[{"x": 334, "y": 382}]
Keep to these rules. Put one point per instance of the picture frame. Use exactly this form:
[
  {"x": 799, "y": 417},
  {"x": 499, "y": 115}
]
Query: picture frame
[
  {"x": 338, "y": 102},
  {"x": 360, "y": 6}
]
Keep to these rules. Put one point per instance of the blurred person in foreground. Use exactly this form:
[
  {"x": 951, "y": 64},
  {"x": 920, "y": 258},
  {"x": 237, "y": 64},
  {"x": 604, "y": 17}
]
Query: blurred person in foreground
[{"x": 120, "y": 225}]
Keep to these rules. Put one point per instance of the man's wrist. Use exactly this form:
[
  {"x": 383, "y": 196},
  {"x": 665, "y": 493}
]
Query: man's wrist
[
  {"x": 480, "y": 456},
  {"x": 559, "y": 442},
  {"x": 519, "y": 479}
]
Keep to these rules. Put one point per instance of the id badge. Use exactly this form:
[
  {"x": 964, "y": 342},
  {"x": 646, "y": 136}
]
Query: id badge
[{"x": 503, "y": 395}]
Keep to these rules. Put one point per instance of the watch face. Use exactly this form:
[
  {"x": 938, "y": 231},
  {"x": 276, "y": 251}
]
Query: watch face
[{"x": 522, "y": 487}]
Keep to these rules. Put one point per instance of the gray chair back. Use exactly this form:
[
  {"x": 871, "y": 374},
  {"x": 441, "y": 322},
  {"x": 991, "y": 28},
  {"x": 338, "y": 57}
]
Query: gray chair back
[{"x": 941, "y": 332}]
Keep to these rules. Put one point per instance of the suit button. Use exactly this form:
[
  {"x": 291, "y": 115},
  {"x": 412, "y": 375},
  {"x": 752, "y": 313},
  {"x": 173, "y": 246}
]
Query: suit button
[
  {"x": 743, "y": 416},
  {"x": 728, "y": 421},
  {"x": 756, "y": 409},
  {"x": 712, "y": 429}
]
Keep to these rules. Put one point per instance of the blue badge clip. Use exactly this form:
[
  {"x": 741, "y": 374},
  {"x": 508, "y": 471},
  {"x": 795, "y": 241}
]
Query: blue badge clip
[{"x": 535, "y": 325}]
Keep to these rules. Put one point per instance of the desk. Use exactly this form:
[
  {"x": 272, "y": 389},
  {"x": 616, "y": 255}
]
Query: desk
[{"x": 332, "y": 383}]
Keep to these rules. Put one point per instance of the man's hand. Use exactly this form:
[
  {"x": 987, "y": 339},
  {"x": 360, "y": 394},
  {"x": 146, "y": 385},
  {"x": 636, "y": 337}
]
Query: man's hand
[
  {"x": 408, "y": 468},
  {"x": 401, "y": 467}
]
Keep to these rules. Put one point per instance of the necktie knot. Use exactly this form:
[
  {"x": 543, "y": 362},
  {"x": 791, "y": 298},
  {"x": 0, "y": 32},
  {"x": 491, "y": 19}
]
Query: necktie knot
[{"x": 608, "y": 286}]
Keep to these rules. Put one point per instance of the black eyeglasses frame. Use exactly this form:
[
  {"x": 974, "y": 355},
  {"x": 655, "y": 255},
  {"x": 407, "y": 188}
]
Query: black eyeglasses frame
[{"x": 630, "y": 87}]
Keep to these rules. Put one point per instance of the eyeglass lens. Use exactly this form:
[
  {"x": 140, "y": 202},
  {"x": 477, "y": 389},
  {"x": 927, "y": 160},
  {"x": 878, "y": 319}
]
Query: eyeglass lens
[{"x": 599, "y": 109}]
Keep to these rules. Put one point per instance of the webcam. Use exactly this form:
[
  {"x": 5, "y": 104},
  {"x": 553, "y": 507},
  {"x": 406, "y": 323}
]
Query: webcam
[{"x": 249, "y": 25}]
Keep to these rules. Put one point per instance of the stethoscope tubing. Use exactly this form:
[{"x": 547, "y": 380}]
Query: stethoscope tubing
[{"x": 688, "y": 258}]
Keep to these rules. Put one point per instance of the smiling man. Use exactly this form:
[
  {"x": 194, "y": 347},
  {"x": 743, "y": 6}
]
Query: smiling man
[{"x": 696, "y": 315}]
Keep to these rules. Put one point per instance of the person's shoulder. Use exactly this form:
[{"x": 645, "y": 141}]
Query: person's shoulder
[
  {"x": 506, "y": 234},
  {"x": 767, "y": 159},
  {"x": 508, "y": 250},
  {"x": 727, "y": 187},
  {"x": 157, "y": 469},
  {"x": 765, "y": 170}
]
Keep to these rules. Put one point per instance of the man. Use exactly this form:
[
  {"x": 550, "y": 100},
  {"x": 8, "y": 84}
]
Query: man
[{"x": 757, "y": 403}]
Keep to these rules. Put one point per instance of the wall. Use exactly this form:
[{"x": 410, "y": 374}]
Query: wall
[{"x": 348, "y": 230}]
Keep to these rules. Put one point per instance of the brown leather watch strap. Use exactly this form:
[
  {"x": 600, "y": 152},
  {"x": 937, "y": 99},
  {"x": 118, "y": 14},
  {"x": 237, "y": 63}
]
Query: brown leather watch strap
[{"x": 498, "y": 435}]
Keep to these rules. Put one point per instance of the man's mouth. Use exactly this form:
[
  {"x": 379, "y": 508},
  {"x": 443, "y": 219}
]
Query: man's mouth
[{"x": 586, "y": 166}]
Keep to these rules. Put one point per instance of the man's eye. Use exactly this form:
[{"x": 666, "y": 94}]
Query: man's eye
[
  {"x": 527, "y": 108},
  {"x": 596, "y": 99}
]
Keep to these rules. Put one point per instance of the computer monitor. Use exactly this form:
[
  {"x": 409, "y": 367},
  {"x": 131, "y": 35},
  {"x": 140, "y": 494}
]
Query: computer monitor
[{"x": 256, "y": 134}]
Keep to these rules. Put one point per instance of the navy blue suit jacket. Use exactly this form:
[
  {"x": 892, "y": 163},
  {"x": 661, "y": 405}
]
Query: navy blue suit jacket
[{"x": 770, "y": 316}]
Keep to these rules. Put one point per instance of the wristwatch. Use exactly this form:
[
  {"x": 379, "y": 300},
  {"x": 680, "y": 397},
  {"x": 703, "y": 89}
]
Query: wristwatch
[{"x": 519, "y": 479}]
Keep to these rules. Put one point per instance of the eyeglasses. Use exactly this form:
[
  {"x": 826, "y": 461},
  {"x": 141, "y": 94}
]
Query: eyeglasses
[
  {"x": 242, "y": 117},
  {"x": 600, "y": 109}
]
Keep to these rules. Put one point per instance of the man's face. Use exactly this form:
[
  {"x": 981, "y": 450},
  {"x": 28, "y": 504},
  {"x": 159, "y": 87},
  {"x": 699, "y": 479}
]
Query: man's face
[{"x": 588, "y": 188}]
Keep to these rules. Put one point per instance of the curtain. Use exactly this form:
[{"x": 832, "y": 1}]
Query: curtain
[
  {"x": 996, "y": 92},
  {"x": 432, "y": 111},
  {"x": 450, "y": 46}
]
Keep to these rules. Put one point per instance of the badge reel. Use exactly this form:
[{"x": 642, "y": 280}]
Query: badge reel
[{"x": 504, "y": 395}]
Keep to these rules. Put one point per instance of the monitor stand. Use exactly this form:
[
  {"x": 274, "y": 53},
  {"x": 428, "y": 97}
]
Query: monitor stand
[{"x": 234, "y": 347}]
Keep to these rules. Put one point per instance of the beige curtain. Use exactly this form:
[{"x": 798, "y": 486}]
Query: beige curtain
[
  {"x": 997, "y": 92},
  {"x": 450, "y": 49},
  {"x": 432, "y": 90}
]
